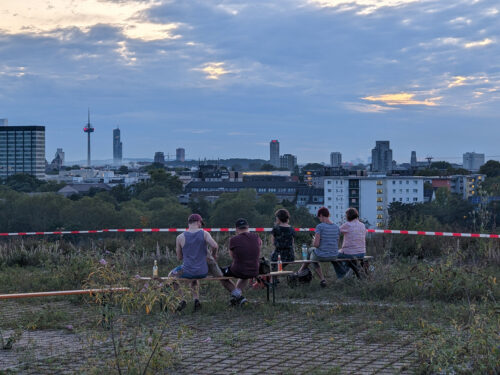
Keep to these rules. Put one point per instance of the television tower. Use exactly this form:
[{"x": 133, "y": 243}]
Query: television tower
[{"x": 88, "y": 129}]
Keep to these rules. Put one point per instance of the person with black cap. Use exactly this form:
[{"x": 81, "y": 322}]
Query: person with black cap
[{"x": 244, "y": 249}]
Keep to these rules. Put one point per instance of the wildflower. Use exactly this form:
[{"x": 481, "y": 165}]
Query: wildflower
[
  {"x": 137, "y": 277},
  {"x": 208, "y": 339},
  {"x": 103, "y": 262},
  {"x": 69, "y": 327},
  {"x": 169, "y": 349}
]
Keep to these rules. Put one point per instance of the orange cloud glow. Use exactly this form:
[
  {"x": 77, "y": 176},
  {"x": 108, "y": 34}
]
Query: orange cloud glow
[{"x": 402, "y": 98}]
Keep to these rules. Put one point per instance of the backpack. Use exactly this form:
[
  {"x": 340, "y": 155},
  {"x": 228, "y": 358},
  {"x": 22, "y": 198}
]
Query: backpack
[
  {"x": 302, "y": 277},
  {"x": 264, "y": 266}
]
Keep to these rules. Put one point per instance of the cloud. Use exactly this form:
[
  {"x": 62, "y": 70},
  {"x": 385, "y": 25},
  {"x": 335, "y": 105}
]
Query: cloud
[
  {"x": 479, "y": 43},
  {"x": 402, "y": 98},
  {"x": 457, "y": 81},
  {"x": 129, "y": 16},
  {"x": 363, "y": 7},
  {"x": 368, "y": 108},
  {"x": 127, "y": 55},
  {"x": 213, "y": 70}
]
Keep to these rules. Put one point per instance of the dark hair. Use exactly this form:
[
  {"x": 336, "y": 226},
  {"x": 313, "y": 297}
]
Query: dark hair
[
  {"x": 323, "y": 211},
  {"x": 351, "y": 214},
  {"x": 282, "y": 215}
]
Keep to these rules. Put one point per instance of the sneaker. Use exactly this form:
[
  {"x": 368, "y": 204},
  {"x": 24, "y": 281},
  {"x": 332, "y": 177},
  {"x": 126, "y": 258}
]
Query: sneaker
[
  {"x": 323, "y": 283},
  {"x": 197, "y": 305},
  {"x": 238, "y": 301},
  {"x": 181, "y": 305}
]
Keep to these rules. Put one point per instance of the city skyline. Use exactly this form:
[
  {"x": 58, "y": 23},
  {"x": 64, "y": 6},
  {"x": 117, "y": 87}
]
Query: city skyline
[{"x": 318, "y": 75}]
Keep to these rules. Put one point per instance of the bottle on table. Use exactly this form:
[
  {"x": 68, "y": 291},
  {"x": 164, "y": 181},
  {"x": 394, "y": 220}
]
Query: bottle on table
[
  {"x": 304, "y": 251},
  {"x": 280, "y": 264},
  {"x": 155, "y": 270}
]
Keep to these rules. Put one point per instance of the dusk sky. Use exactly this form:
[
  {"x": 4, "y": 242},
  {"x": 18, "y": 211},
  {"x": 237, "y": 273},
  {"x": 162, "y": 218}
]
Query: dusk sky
[{"x": 223, "y": 78}]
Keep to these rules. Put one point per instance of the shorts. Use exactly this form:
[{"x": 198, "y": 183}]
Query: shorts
[
  {"x": 213, "y": 270},
  {"x": 311, "y": 255},
  {"x": 226, "y": 271}
]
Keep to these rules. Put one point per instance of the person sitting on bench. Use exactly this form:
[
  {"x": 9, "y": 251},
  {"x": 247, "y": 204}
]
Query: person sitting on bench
[
  {"x": 354, "y": 244},
  {"x": 192, "y": 248},
  {"x": 326, "y": 244},
  {"x": 244, "y": 249},
  {"x": 282, "y": 237}
]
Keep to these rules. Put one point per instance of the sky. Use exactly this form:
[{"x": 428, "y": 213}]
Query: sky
[{"x": 223, "y": 78}]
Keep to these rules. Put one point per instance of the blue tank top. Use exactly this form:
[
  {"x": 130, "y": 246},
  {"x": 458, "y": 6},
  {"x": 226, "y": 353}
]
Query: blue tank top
[{"x": 194, "y": 254}]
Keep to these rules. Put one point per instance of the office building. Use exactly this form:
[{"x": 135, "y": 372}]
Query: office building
[
  {"x": 117, "y": 147},
  {"x": 274, "y": 153},
  {"x": 382, "y": 157},
  {"x": 22, "y": 150},
  {"x": 473, "y": 161},
  {"x": 413, "y": 160},
  {"x": 180, "y": 155},
  {"x": 288, "y": 161},
  {"x": 335, "y": 159},
  {"x": 159, "y": 158},
  {"x": 371, "y": 196}
]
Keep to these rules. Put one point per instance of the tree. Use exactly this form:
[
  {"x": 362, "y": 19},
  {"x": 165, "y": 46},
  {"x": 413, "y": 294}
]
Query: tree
[
  {"x": 441, "y": 165},
  {"x": 267, "y": 167},
  {"x": 23, "y": 183},
  {"x": 122, "y": 170},
  {"x": 491, "y": 168}
]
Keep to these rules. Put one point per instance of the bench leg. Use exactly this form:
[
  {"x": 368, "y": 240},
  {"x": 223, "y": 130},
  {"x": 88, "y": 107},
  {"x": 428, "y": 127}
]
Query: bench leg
[
  {"x": 353, "y": 264},
  {"x": 274, "y": 288},
  {"x": 267, "y": 290}
]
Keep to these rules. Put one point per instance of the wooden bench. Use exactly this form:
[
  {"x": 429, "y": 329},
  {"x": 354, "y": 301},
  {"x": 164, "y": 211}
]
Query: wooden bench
[
  {"x": 356, "y": 264},
  {"x": 269, "y": 285}
]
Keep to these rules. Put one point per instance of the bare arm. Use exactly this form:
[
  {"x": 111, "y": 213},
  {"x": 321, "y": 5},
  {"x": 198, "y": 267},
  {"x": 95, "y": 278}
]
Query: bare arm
[
  {"x": 316, "y": 240},
  {"x": 211, "y": 242},
  {"x": 179, "y": 242}
]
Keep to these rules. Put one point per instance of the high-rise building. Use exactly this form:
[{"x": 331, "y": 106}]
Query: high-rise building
[
  {"x": 117, "y": 147},
  {"x": 180, "y": 155},
  {"x": 413, "y": 160},
  {"x": 288, "y": 161},
  {"x": 335, "y": 159},
  {"x": 88, "y": 129},
  {"x": 382, "y": 157},
  {"x": 274, "y": 153},
  {"x": 371, "y": 196},
  {"x": 159, "y": 158},
  {"x": 22, "y": 150},
  {"x": 473, "y": 161}
]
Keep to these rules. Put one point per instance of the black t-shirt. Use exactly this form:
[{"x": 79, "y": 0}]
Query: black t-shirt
[{"x": 283, "y": 237}]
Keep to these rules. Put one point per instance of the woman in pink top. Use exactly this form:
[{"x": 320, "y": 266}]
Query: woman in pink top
[{"x": 354, "y": 245}]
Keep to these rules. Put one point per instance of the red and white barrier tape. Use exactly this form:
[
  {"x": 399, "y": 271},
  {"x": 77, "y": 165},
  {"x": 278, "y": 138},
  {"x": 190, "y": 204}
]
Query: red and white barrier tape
[{"x": 152, "y": 230}]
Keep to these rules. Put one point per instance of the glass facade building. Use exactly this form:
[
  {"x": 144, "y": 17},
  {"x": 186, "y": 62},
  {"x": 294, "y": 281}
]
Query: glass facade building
[{"x": 22, "y": 150}]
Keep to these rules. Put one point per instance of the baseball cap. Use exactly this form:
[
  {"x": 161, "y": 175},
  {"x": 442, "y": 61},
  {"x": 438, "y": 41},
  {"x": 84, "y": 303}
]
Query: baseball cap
[
  {"x": 194, "y": 218},
  {"x": 241, "y": 223}
]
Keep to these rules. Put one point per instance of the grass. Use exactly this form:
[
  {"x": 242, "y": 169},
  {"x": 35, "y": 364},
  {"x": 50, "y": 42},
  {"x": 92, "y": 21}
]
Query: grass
[{"x": 447, "y": 305}]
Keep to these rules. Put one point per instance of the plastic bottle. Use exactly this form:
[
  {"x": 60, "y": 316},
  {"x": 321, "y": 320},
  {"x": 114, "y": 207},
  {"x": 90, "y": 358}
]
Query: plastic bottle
[
  {"x": 304, "y": 251},
  {"x": 280, "y": 264},
  {"x": 155, "y": 270}
]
